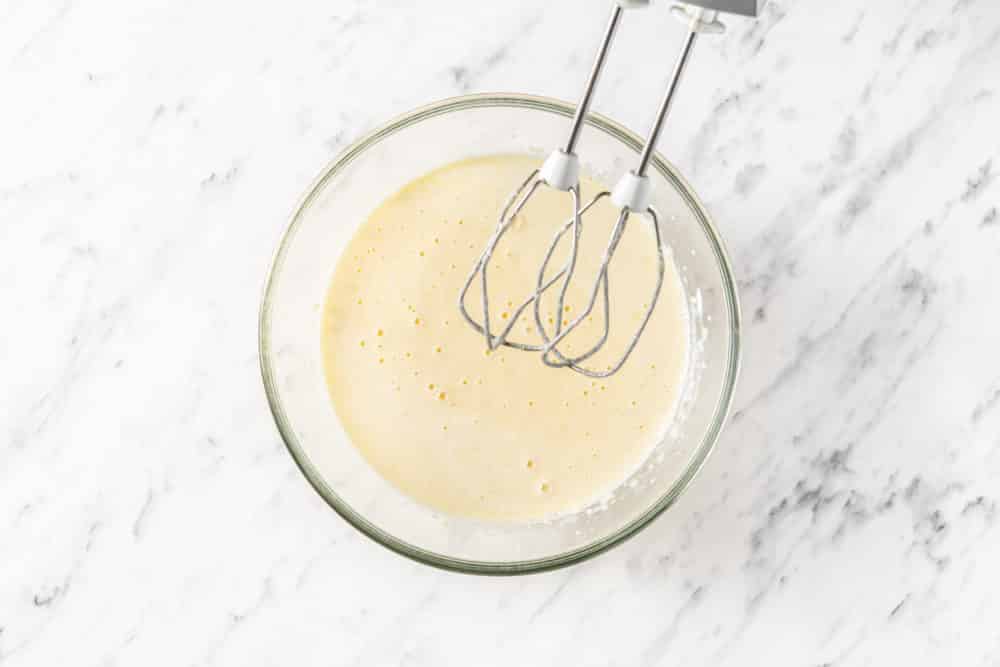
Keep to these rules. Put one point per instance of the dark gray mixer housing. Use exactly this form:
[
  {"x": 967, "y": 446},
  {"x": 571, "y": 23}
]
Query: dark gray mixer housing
[{"x": 744, "y": 7}]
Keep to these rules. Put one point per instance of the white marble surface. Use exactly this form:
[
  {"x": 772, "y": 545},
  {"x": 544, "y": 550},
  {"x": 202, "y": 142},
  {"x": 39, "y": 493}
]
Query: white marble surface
[{"x": 149, "y": 515}]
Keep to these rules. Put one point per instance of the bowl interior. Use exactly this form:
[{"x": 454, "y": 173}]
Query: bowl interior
[{"x": 341, "y": 199}]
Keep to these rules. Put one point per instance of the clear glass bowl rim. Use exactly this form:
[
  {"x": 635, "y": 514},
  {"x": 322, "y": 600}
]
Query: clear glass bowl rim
[{"x": 630, "y": 139}]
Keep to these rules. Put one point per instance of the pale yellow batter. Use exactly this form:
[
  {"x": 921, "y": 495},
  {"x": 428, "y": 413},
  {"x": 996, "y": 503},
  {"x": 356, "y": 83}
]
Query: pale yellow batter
[{"x": 495, "y": 436}]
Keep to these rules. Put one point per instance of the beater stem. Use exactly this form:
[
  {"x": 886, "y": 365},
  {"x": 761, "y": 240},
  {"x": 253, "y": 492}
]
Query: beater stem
[
  {"x": 595, "y": 74},
  {"x": 668, "y": 96}
]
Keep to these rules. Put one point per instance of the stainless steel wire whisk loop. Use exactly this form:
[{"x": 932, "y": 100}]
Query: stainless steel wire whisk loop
[{"x": 632, "y": 196}]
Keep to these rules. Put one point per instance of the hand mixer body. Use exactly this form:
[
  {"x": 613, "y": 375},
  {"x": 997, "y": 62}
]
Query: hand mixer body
[{"x": 750, "y": 8}]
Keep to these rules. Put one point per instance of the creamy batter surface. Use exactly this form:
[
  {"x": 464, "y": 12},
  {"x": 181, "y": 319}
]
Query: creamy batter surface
[{"x": 499, "y": 435}]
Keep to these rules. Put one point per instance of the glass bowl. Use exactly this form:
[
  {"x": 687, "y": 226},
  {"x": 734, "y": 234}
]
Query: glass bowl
[{"x": 325, "y": 220}]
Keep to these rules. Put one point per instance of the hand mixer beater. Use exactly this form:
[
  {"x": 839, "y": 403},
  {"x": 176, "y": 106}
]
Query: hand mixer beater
[{"x": 632, "y": 196}]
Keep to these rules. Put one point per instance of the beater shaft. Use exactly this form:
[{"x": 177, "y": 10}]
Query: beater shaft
[
  {"x": 668, "y": 96},
  {"x": 595, "y": 74}
]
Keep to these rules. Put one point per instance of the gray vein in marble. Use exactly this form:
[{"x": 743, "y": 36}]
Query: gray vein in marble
[
  {"x": 465, "y": 77},
  {"x": 989, "y": 218},
  {"x": 137, "y": 525},
  {"x": 849, "y": 36},
  {"x": 551, "y": 598},
  {"x": 983, "y": 408},
  {"x": 896, "y": 159},
  {"x": 237, "y": 619},
  {"x": 978, "y": 182},
  {"x": 375, "y": 648},
  {"x": 757, "y": 32},
  {"x": 809, "y": 346},
  {"x": 657, "y": 651},
  {"x": 45, "y": 30},
  {"x": 749, "y": 178}
]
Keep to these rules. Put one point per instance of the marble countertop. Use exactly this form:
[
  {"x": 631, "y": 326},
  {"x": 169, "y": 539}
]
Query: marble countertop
[{"x": 150, "y": 153}]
